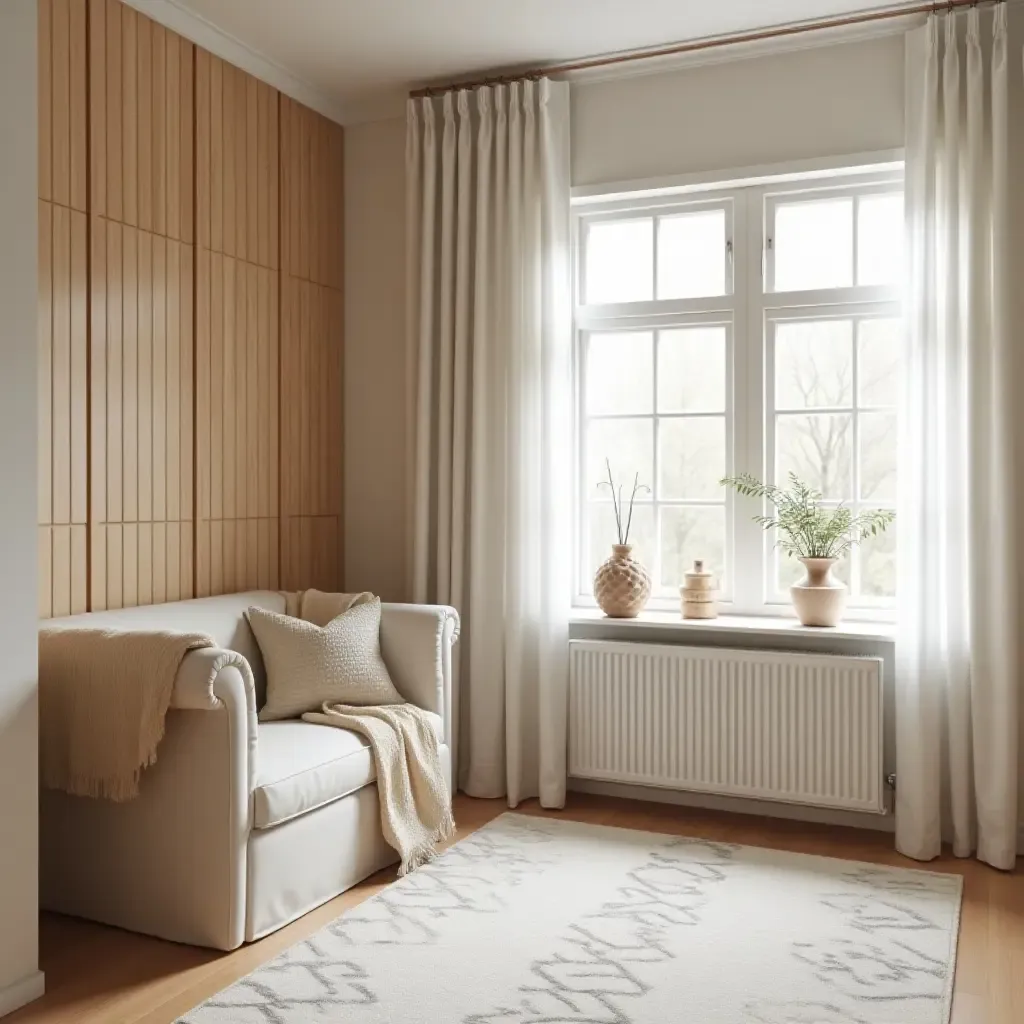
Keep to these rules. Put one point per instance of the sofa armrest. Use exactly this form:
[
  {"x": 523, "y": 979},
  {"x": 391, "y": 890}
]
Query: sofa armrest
[
  {"x": 416, "y": 642},
  {"x": 209, "y": 679}
]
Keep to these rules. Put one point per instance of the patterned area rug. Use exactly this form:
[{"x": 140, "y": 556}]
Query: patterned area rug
[{"x": 542, "y": 921}]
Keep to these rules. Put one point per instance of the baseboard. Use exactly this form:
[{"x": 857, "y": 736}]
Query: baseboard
[
  {"x": 764, "y": 808},
  {"x": 15, "y": 996}
]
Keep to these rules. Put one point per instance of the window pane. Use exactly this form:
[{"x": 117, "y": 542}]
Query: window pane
[
  {"x": 814, "y": 364},
  {"x": 620, "y": 373},
  {"x": 878, "y": 564},
  {"x": 819, "y": 449},
  {"x": 880, "y": 240},
  {"x": 629, "y": 444},
  {"x": 691, "y": 370},
  {"x": 686, "y": 535},
  {"x": 692, "y": 458},
  {"x": 790, "y": 570},
  {"x": 691, "y": 255},
  {"x": 602, "y": 534},
  {"x": 878, "y": 456},
  {"x": 880, "y": 361},
  {"x": 620, "y": 261},
  {"x": 813, "y": 245}
]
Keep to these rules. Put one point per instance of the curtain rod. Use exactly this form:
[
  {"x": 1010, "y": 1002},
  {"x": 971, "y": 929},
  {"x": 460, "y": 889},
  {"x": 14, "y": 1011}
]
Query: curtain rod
[{"x": 674, "y": 49}]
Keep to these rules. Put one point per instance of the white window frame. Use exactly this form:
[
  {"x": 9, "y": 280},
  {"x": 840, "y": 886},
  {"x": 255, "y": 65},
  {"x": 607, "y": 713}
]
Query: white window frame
[{"x": 751, "y": 312}]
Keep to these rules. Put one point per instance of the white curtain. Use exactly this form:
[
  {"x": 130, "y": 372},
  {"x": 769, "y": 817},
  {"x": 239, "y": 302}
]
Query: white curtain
[
  {"x": 490, "y": 337},
  {"x": 958, "y": 668}
]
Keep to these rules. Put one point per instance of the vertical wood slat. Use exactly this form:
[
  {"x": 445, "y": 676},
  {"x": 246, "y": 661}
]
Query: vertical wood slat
[
  {"x": 60, "y": 118},
  {"x": 97, "y": 105},
  {"x": 144, "y": 76},
  {"x": 61, "y": 365},
  {"x": 158, "y": 144},
  {"x": 78, "y": 83},
  {"x": 114, "y": 112},
  {"x": 45, "y": 371},
  {"x": 130, "y": 116},
  {"x": 98, "y": 409},
  {"x": 130, "y": 385},
  {"x": 45, "y": 86}
]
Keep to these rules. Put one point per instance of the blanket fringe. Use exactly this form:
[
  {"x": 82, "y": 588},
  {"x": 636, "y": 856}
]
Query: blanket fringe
[{"x": 427, "y": 850}]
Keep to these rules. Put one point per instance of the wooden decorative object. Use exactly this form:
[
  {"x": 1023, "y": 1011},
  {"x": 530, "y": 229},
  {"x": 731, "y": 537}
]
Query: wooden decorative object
[{"x": 699, "y": 595}]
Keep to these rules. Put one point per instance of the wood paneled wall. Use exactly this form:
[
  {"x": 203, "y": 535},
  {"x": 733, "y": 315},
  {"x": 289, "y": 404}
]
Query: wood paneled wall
[
  {"x": 312, "y": 240},
  {"x": 238, "y": 318},
  {"x": 141, "y": 383},
  {"x": 176, "y": 322},
  {"x": 63, "y": 308}
]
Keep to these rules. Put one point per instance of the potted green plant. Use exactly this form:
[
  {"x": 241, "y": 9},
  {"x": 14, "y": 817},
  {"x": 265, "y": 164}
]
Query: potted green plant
[{"x": 817, "y": 535}]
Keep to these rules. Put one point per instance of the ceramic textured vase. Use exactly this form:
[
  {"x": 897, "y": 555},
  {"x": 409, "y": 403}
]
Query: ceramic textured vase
[
  {"x": 622, "y": 585},
  {"x": 819, "y": 598}
]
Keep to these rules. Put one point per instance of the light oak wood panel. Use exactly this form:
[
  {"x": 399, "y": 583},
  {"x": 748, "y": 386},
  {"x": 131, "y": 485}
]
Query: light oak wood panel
[
  {"x": 141, "y": 116},
  {"x": 312, "y": 176},
  {"x": 100, "y": 975},
  {"x": 236, "y": 416},
  {"x": 62, "y": 103},
  {"x": 161, "y": 446},
  {"x": 236, "y": 162},
  {"x": 311, "y": 435},
  {"x": 62, "y": 415},
  {"x": 141, "y": 390}
]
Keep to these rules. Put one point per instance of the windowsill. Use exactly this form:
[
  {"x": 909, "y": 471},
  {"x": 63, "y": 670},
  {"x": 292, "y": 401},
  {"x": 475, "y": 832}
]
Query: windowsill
[{"x": 750, "y": 625}]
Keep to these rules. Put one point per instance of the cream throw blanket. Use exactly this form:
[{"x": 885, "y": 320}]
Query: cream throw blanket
[
  {"x": 415, "y": 804},
  {"x": 103, "y": 699}
]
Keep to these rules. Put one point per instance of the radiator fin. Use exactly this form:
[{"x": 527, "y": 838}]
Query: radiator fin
[{"x": 797, "y": 728}]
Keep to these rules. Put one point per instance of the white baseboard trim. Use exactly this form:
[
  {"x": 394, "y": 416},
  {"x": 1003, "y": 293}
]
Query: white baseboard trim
[
  {"x": 15, "y": 996},
  {"x": 764, "y": 808}
]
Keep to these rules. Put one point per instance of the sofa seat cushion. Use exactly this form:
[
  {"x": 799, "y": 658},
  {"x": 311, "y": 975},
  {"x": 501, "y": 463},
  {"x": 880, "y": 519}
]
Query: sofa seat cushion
[{"x": 300, "y": 766}]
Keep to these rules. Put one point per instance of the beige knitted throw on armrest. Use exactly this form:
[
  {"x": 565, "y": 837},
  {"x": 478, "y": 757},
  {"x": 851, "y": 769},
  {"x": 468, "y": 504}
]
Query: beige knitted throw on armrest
[
  {"x": 103, "y": 699},
  {"x": 415, "y": 803}
]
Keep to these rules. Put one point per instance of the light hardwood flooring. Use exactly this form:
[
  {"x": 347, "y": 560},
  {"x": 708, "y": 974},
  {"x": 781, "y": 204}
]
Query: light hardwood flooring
[{"x": 99, "y": 975}]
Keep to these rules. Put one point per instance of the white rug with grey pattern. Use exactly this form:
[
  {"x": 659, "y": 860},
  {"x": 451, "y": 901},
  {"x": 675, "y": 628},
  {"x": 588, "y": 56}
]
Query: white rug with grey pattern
[{"x": 544, "y": 921}]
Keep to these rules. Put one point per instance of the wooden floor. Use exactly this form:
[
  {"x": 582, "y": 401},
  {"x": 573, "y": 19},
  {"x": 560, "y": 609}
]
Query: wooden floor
[{"x": 99, "y": 975}]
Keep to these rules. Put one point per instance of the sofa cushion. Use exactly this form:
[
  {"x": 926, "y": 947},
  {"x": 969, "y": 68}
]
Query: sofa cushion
[
  {"x": 309, "y": 666},
  {"x": 300, "y": 766}
]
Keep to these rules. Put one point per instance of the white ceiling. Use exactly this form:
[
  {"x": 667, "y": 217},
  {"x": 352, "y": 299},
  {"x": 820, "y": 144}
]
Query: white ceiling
[{"x": 358, "y": 54}]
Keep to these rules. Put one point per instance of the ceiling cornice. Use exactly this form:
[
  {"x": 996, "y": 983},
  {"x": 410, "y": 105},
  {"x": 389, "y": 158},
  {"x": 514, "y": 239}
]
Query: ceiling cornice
[{"x": 178, "y": 18}]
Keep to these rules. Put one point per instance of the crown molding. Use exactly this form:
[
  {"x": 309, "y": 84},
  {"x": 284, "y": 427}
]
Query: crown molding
[{"x": 178, "y": 18}]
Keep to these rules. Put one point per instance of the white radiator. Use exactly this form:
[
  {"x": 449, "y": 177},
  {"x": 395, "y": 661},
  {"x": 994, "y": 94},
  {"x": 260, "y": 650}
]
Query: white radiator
[{"x": 798, "y": 728}]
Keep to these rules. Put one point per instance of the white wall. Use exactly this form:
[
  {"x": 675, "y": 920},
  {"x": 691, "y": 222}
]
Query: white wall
[
  {"x": 19, "y": 978},
  {"x": 375, "y": 363},
  {"x": 820, "y": 102}
]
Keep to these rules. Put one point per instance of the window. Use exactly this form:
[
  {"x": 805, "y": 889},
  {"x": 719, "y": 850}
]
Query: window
[{"x": 755, "y": 330}]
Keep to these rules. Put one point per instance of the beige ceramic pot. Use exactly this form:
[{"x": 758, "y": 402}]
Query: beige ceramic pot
[
  {"x": 819, "y": 598},
  {"x": 622, "y": 585}
]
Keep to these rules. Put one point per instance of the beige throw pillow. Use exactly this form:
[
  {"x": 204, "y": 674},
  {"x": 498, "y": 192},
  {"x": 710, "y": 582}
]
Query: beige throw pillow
[{"x": 308, "y": 665}]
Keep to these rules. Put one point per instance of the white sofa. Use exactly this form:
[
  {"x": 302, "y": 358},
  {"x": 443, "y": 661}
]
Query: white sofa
[{"x": 240, "y": 826}]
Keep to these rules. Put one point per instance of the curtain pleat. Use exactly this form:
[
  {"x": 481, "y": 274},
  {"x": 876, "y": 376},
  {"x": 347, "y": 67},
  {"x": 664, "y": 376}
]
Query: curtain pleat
[
  {"x": 489, "y": 269},
  {"x": 958, "y": 671}
]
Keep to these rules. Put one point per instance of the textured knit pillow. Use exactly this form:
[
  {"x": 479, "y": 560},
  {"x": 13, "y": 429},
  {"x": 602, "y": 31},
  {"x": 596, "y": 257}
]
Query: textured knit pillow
[{"x": 307, "y": 665}]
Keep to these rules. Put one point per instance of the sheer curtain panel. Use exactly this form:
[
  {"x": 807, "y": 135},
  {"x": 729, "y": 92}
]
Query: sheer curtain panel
[
  {"x": 958, "y": 668},
  {"x": 490, "y": 339}
]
